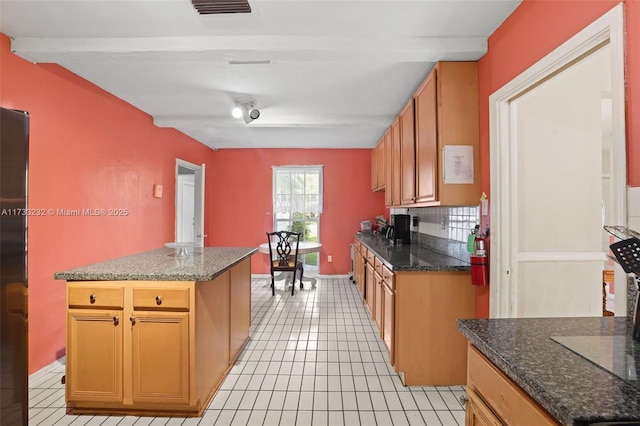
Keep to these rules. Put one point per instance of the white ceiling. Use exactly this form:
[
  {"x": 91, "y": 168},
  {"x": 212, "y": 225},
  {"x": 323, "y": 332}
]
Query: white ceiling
[{"x": 339, "y": 71}]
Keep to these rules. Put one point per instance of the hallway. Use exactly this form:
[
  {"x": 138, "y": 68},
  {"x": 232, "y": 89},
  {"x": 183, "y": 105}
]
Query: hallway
[{"x": 313, "y": 359}]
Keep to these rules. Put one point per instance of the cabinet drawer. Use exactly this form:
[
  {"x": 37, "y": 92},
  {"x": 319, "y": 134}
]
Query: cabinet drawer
[
  {"x": 509, "y": 402},
  {"x": 370, "y": 257},
  {"x": 356, "y": 246},
  {"x": 377, "y": 265},
  {"x": 388, "y": 277},
  {"x": 161, "y": 298},
  {"x": 91, "y": 296}
]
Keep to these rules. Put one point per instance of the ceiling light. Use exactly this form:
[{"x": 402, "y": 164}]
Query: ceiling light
[
  {"x": 236, "y": 112},
  {"x": 245, "y": 108}
]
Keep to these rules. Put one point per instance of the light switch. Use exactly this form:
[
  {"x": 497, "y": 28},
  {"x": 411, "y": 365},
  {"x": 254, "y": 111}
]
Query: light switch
[{"x": 157, "y": 191}]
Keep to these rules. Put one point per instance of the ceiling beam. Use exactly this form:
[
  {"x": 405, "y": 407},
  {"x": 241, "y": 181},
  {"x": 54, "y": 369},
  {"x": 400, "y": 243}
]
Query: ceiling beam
[
  {"x": 318, "y": 121},
  {"x": 286, "y": 48}
]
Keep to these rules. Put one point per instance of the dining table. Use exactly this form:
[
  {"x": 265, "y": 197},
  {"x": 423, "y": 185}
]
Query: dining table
[{"x": 304, "y": 247}]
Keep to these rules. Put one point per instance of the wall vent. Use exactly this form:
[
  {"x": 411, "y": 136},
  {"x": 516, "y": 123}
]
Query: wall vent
[{"x": 211, "y": 7}]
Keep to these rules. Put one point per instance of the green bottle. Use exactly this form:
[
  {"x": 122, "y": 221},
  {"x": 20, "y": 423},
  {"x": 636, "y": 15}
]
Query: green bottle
[{"x": 471, "y": 245}]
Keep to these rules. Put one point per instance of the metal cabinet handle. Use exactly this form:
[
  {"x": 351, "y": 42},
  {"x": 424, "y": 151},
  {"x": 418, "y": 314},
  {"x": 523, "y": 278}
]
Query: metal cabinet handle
[
  {"x": 92, "y": 298},
  {"x": 116, "y": 320},
  {"x": 158, "y": 300},
  {"x": 132, "y": 319}
]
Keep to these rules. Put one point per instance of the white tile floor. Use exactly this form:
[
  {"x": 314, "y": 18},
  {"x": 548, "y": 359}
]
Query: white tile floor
[{"x": 313, "y": 359}]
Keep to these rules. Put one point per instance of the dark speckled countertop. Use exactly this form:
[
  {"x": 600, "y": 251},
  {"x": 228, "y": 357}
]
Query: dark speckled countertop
[
  {"x": 411, "y": 257},
  {"x": 162, "y": 265},
  {"x": 572, "y": 389}
]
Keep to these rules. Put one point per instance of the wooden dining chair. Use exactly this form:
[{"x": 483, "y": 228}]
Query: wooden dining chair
[{"x": 283, "y": 253}]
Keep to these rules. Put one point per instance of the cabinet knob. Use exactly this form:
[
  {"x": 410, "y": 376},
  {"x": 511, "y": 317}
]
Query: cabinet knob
[
  {"x": 158, "y": 300},
  {"x": 132, "y": 319},
  {"x": 92, "y": 298},
  {"x": 116, "y": 320},
  {"x": 463, "y": 399}
]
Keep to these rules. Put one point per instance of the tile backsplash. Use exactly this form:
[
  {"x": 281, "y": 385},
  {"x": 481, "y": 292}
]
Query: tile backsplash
[{"x": 452, "y": 240}]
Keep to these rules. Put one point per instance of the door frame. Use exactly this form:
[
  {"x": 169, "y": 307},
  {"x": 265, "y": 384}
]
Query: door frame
[
  {"x": 608, "y": 28},
  {"x": 198, "y": 199}
]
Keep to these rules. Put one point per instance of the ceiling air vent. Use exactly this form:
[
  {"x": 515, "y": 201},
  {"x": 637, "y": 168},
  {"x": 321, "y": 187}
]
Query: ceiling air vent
[{"x": 211, "y": 7}]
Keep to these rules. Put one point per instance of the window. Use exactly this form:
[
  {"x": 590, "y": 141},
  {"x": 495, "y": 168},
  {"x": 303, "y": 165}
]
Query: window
[{"x": 297, "y": 204}]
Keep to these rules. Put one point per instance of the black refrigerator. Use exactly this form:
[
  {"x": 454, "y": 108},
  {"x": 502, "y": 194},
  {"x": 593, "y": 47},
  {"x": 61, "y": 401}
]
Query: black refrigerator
[{"x": 14, "y": 154}]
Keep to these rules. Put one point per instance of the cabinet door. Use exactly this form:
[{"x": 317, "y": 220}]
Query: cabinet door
[
  {"x": 370, "y": 294},
  {"x": 374, "y": 168},
  {"x": 94, "y": 355},
  {"x": 160, "y": 361},
  {"x": 426, "y": 140},
  {"x": 477, "y": 412},
  {"x": 378, "y": 301},
  {"x": 407, "y": 155},
  {"x": 381, "y": 163},
  {"x": 240, "y": 307},
  {"x": 388, "y": 172},
  {"x": 396, "y": 165},
  {"x": 388, "y": 321}
]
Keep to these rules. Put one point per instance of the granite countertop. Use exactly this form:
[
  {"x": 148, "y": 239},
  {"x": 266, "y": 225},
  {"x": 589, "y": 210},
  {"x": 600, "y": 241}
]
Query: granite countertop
[
  {"x": 572, "y": 389},
  {"x": 411, "y": 257},
  {"x": 162, "y": 265}
]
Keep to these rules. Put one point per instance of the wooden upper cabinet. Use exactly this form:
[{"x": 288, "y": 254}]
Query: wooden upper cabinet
[
  {"x": 458, "y": 124},
  {"x": 407, "y": 154},
  {"x": 374, "y": 169},
  {"x": 388, "y": 172},
  {"x": 396, "y": 165},
  {"x": 426, "y": 140},
  {"x": 378, "y": 177},
  {"x": 443, "y": 112},
  {"x": 381, "y": 164}
]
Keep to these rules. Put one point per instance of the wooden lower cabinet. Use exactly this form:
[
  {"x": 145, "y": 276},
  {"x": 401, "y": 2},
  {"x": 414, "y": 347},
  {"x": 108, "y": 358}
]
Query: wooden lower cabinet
[
  {"x": 477, "y": 413},
  {"x": 370, "y": 294},
  {"x": 94, "y": 355},
  {"x": 160, "y": 362},
  {"x": 429, "y": 350},
  {"x": 494, "y": 399},
  {"x": 378, "y": 301},
  {"x": 154, "y": 348},
  {"x": 388, "y": 320}
]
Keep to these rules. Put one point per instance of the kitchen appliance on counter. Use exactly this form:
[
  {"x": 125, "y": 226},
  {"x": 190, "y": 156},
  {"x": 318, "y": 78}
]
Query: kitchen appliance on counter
[
  {"x": 627, "y": 254},
  {"x": 401, "y": 224}
]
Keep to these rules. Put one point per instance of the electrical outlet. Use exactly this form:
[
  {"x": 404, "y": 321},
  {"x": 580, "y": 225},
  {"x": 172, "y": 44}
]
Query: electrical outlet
[
  {"x": 443, "y": 224},
  {"x": 329, "y": 258}
]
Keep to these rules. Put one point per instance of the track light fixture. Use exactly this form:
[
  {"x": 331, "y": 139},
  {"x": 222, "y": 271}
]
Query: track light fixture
[{"x": 245, "y": 108}]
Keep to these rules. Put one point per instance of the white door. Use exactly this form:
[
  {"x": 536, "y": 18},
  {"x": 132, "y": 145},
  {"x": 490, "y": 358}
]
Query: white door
[
  {"x": 557, "y": 255},
  {"x": 549, "y": 161},
  {"x": 185, "y": 209},
  {"x": 190, "y": 202},
  {"x": 199, "y": 205}
]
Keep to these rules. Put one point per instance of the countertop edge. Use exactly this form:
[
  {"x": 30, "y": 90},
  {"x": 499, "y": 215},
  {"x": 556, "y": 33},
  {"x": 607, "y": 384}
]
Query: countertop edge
[{"x": 71, "y": 275}]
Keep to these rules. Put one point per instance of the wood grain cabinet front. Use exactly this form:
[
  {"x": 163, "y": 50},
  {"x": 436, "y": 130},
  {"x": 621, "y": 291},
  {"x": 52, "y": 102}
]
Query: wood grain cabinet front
[
  {"x": 160, "y": 363},
  {"x": 94, "y": 355},
  {"x": 154, "y": 347}
]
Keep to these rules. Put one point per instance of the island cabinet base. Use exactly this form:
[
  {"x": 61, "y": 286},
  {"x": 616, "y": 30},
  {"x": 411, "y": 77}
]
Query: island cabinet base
[
  {"x": 494, "y": 399},
  {"x": 154, "y": 348}
]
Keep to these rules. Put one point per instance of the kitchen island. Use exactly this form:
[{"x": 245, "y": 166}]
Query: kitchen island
[
  {"x": 155, "y": 333},
  {"x": 531, "y": 356}
]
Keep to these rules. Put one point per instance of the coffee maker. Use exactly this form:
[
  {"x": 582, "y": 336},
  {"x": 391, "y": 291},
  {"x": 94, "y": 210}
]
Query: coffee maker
[{"x": 401, "y": 224}]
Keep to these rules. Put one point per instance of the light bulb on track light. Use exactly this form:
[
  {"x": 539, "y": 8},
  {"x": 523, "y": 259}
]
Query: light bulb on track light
[{"x": 236, "y": 112}]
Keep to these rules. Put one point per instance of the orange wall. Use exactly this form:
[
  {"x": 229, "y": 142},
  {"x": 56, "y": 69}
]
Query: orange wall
[
  {"x": 243, "y": 211},
  {"x": 532, "y": 31},
  {"x": 88, "y": 149}
]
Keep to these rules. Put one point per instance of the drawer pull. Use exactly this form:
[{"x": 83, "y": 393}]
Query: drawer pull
[
  {"x": 116, "y": 320},
  {"x": 463, "y": 400},
  {"x": 158, "y": 300},
  {"x": 92, "y": 298}
]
